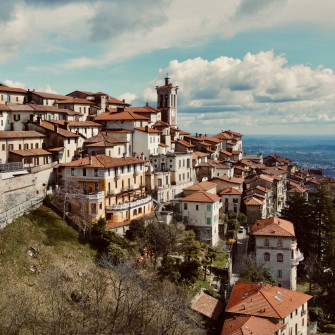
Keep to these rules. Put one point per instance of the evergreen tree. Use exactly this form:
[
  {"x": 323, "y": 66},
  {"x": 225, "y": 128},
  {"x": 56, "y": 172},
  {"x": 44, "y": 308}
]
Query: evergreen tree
[{"x": 299, "y": 212}]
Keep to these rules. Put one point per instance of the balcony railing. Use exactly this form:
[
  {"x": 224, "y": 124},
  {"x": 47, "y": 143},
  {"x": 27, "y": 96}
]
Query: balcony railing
[
  {"x": 130, "y": 205},
  {"x": 91, "y": 196}
]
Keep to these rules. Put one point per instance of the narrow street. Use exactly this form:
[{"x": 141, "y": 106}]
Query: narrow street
[{"x": 241, "y": 254}]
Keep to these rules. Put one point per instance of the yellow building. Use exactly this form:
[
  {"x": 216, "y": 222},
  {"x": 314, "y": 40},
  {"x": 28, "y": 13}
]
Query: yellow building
[{"x": 113, "y": 187}]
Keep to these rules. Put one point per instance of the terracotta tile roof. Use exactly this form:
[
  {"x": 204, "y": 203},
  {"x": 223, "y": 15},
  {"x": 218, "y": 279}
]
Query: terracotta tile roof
[
  {"x": 266, "y": 178},
  {"x": 236, "y": 167},
  {"x": 85, "y": 92},
  {"x": 231, "y": 190},
  {"x": 20, "y": 134},
  {"x": 21, "y": 107},
  {"x": 4, "y": 107},
  {"x": 259, "y": 188},
  {"x": 232, "y": 180},
  {"x": 31, "y": 152},
  {"x": 204, "y": 138},
  {"x": 182, "y": 132},
  {"x": 253, "y": 201},
  {"x": 125, "y": 115},
  {"x": 223, "y": 136},
  {"x": 227, "y": 153},
  {"x": 218, "y": 164},
  {"x": 197, "y": 154},
  {"x": 273, "y": 227},
  {"x": 209, "y": 306},
  {"x": 201, "y": 196},
  {"x": 161, "y": 124},
  {"x": 12, "y": 89},
  {"x": 185, "y": 144},
  {"x": 56, "y": 149},
  {"x": 76, "y": 123},
  {"x": 43, "y": 108},
  {"x": 60, "y": 131},
  {"x": 230, "y": 132},
  {"x": 103, "y": 161},
  {"x": 298, "y": 189},
  {"x": 71, "y": 101},
  {"x": 50, "y": 95},
  {"x": 312, "y": 181},
  {"x": 203, "y": 186},
  {"x": 115, "y": 101},
  {"x": 163, "y": 145},
  {"x": 104, "y": 137},
  {"x": 148, "y": 130},
  {"x": 236, "y": 152},
  {"x": 145, "y": 109},
  {"x": 175, "y": 129},
  {"x": 264, "y": 300},
  {"x": 119, "y": 130},
  {"x": 246, "y": 325}
]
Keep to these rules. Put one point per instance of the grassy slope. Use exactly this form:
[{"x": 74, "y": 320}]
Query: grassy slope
[{"x": 57, "y": 244}]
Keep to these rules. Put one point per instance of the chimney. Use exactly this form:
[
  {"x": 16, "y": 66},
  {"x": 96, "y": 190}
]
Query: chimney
[
  {"x": 167, "y": 81},
  {"x": 103, "y": 102},
  {"x": 147, "y": 104},
  {"x": 90, "y": 160},
  {"x": 39, "y": 119},
  {"x": 66, "y": 125},
  {"x": 124, "y": 155},
  {"x": 146, "y": 128},
  {"x": 56, "y": 128},
  {"x": 123, "y": 100}
]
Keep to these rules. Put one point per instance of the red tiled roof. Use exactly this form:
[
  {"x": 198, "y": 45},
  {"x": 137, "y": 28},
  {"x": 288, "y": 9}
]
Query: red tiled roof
[
  {"x": 103, "y": 161},
  {"x": 12, "y": 89},
  {"x": 56, "y": 149},
  {"x": 185, "y": 143},
  {"x": 50, "y": 95},
  {"x": 233, "y": 133},
  {"x": 232, "y": 180},
  {"x": 76, "y": 123},
  {"x": 31, "y": 152},
  {"x": 230, "y": 190},
  {"x": 252, "y": 201},
  {"x": 163, "y": 145},
  {"x": 161, "y": 124},
  {"x": 72, "y": 101},
  {"x": 266, "y": 177},
  {"x": 197, "y": 154},
  {"x": 223, "y": 136},
  {"x": 148, "y": 130},
  {"x": 226, "y": 152},
  {"x": 203, "y": 186},
  {"x": 209, "y": 306},
  {"x": 104, "y": 137},
  {"x": 264, "y": 300},
  {"x": 204, "y": 138},
  {"x": 125, "y": 115},
  {"x": 201, "y": 196},
  {"x": 4, "y": 107},
  {"x": 273, "y": 227},
  {"x": 182, "y": 132},
  {"x": 115, "y": 101},
  {"x": 20, "y": 134},
  {"x": 246, "y": 325},
  {"x": 145, "y": 109},
  {"x": 60, "y": 131},
  {"x": 298, "y": 189}
]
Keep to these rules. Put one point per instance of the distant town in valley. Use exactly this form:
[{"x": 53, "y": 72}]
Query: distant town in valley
[{"x": 241, "y": 224}]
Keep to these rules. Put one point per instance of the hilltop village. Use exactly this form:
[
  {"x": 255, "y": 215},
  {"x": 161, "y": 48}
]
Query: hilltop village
[{"x": 123, "y": 163}]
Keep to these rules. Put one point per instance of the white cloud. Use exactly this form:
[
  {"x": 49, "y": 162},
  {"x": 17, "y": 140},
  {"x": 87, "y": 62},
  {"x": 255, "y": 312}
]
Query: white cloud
[
  {"x": 256, "y": 91},
  {"x": 128, "y": 97},
  {"x": 47, "y": 89},
  {"x": 16, "y": 84}
]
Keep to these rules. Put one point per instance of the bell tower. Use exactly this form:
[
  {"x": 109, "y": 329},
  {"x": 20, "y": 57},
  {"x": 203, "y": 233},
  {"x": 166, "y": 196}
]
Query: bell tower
[{"x": 167, "y": 102}]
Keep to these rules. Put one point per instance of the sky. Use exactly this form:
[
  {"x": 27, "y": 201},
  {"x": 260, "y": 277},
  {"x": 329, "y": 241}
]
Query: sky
[{"x": 253, "y": 66}]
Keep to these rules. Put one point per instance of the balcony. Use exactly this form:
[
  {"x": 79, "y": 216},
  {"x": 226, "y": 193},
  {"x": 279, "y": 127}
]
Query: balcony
[
  {"x": 90, "y": 196},
  {"x": 130, "y": 205},
  {"x": 298, "y": 257}
]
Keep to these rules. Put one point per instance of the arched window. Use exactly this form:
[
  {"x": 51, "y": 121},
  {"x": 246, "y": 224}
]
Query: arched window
[
  {"x": 280, "y": 257},
  {"x": 266, "y": 257}
]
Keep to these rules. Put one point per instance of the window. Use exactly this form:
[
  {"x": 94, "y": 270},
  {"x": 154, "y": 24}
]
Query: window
[
  {"x": 84, "y": 172},
  {"x": 31, "y": 145},
  {"x": 68, "y": 153},
  {"x": 266, "y": 242},
  {"x": 266, "y": 257},
  {"x": 280, "y": 257},
  {"x": 185, "y": 219},
  {"x": 96, "y": 187},
  {"x": 196, "y": 207},
  {"x": 94, "y": 208},
  {"x": 72, "y": 172},
  {"x": 115, "y": 184},
  {"x": 159, "y": 182},
  {"x": 280, "y": 273},
  {"x": 20, "y": 147},
  {"x": 26, "y": 146},
  {"x": 235, "y": 200},
  {"x": 209, "y": 207},
  {"x": 11, "y": 147},
  {"x": 167, "y": 180},
  {"x": 280, "y": 243},
  {"x": 185, "y": 205},
  {"x": 95, "y": 172},
  {"x": 100, "y": 205},
  {"x": 208, "y": 221},
  {"x": 4, "y": 147}
]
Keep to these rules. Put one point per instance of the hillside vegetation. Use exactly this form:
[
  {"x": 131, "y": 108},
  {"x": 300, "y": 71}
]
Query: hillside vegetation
[{"x": 51, "y": 284}]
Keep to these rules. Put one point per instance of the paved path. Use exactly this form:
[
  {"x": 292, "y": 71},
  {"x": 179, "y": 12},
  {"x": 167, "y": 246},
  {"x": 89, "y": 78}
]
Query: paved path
[{"x": 241, "y": 254}]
